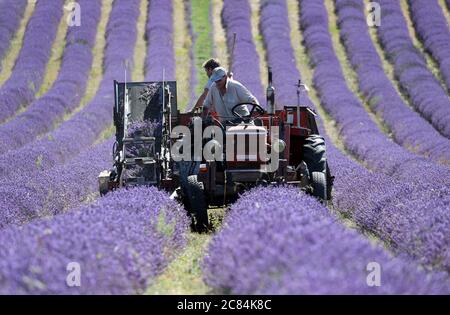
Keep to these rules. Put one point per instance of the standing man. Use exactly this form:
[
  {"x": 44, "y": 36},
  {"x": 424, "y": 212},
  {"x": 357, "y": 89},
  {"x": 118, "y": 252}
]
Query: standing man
[{"x": 209, "y": 66}]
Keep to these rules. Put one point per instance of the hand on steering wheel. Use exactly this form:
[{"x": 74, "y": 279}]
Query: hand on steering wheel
[{"x": 255, "y": 108}]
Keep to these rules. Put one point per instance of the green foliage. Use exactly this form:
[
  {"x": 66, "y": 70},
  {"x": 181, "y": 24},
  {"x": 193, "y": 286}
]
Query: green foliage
[{"x": 201, "y": 27}]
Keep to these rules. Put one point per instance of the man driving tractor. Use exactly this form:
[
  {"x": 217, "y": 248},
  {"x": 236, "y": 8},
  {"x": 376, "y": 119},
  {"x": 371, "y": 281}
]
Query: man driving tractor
[{"x": 224, "y": 94}]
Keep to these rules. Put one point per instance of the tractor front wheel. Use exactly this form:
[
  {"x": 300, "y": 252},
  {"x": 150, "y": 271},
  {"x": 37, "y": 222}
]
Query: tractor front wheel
[{"x": 196, "y": 204}]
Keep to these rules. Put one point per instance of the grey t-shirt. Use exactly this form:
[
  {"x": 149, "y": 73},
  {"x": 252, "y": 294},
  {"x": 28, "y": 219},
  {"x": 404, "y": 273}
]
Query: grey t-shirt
[{"x": 223, "y": 104}]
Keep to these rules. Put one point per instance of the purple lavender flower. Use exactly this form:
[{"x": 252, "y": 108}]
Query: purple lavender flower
[
  {"x": 378, "y": 89},
  {"x": 433, "y": 30},
  {"x": 236, "y": 19},
  {"x": 84, "y": 127},
  {"x": 160, "y": 56},
  {"x": 11, "y": 11},
  {"x": 301, "y": 249},
  {"x": 120, "y": 243},
  {"x": 29, "y": 69},
  {"x": 425, "y": 92},
  {"x": 53, "y": 191},
  {"x": 381, "y": 204},
  {"x": 193, "y": 71},
  {"x": 66, "y": 92},
  {"x": 359, "y": 133}
]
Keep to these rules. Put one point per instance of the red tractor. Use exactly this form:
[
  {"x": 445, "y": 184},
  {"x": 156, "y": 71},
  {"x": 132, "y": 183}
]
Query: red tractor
[{"x": 207, "y": 163}]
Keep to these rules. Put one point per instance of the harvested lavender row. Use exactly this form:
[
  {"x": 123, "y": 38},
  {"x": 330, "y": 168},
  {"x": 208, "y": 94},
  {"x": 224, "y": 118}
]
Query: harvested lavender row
[
  {"x": 83, "y": 128},
  {"x": 360, "y": 134},
  {"x": 59, "y": 188},
  {"x": 433, "y": 29},
  {"x": 300, "y": 249},
  {"x": 236, "y": 16},
  {"x": 118, "y": 244},
  {"x": 29, "y": 69},
  {"x": 160, "y": 53},
  {"x": 11, "y": 11},
  {"x": 66, "y": 92},
  {"x": 420, "y": 229},
  {"x": 423, "y": 89},
  {"x": 378, "y": 90}
]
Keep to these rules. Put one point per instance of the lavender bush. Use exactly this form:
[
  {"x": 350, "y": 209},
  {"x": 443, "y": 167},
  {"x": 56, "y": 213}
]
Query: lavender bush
[
  {"x": 411, "y": 217},
  {"x": 408, "y": 219},
  {"x": 54, "y": 191},
  {"x": 236, "y": 16},
  {"x": 378, "y": 90},
  {"x": 84, "y": 127},
  {"x": 11, "y": 12},
  {"x": 403, "y": 218},
  {"x": 275, "y": 29},
  {"x": 358, "y": 132},
  {"x": 160, "y": 53},
  {"x": 432, "y": 28},
  {"x": 120, "y": 243},
  {"x": 29, "y": 69},
  {"x": 192, "y": 71},
  {"x": 66, "y": 92},
  {"x": 300, "y": 249},
  {"x": 424, "y": 91}
]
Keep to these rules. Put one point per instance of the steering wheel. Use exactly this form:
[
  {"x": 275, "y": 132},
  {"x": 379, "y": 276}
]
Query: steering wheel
[{"x": 255, "y": 108}]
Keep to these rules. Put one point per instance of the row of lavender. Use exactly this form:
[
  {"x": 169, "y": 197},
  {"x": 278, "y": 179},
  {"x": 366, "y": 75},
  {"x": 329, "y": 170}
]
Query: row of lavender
[
  {"x": 378, "y": 90},
  {"x": 160, "y": 54},
  {"x": 11, "y": 12},
  {"x": 433, "y": 30},
  {"x": 301, "y": 249},
  {"x": 119, "y": 242},
  {"x": 113, "y": 246},
  {"x": 407, "y": 210},
  {"x": 66, "y": 92},
  {"x": 54, "y": 189},
  {"x": 192, "y": 66},
  {"x": 236, "y": 17},
  {"x": 359, "y": 133},
  {"x": 406, "y": 216},
  {"x": 79, "y": 132},
  {"x": 29, "y": 69},
  {"x": 424, "y": 91}
]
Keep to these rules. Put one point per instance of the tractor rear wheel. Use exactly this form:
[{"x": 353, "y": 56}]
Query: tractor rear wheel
[
  {"x": 196, "y": 204},
  {"x": 319, "y": 185},
  {"x": 330, "y": 180},
  {"x": 314, "y": 155}
]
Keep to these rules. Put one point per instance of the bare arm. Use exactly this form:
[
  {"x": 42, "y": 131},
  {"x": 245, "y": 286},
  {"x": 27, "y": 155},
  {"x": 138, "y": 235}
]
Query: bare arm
[{"x": 207, "y": 103}]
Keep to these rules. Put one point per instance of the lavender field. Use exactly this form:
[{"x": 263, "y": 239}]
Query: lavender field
[{"x": 379, "y": 80}]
